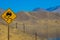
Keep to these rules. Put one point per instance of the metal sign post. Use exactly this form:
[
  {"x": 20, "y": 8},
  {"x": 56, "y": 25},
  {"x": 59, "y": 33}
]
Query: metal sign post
[{"x": 8, "y": 32}]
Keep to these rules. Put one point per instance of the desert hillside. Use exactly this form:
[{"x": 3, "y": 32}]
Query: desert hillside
[{"x": 15, "y": 34}]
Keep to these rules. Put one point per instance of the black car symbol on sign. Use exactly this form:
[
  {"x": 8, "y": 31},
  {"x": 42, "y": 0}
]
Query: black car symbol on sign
[{"x": 9, "y": 14}]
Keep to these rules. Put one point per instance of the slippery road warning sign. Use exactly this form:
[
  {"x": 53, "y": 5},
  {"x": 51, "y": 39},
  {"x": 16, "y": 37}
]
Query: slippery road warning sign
[{"x": 8, "y": 16}]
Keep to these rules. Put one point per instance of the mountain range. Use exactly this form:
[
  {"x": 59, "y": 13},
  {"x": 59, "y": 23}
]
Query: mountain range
[
  {"x": 38, "y": 13},
  {"x": 54, "y": 9},
  {"x": 51, "y": 9}
]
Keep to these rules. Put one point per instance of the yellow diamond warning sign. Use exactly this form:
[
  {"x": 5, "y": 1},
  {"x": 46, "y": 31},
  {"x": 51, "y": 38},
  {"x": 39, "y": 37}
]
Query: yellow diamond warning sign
[{"x": 8, "y": 16}]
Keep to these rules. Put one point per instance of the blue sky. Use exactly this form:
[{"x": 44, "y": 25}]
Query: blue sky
[{"x": 27, "y": 5}]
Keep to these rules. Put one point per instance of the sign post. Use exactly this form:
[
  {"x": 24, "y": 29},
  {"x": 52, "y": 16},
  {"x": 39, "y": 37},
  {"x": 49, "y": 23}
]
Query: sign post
[
  {"x": 8, "y": 31},
  {"x": 8, "y": 16}
]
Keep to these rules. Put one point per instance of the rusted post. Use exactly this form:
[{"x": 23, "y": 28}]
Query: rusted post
[
  {"x": 23, "y": 27},
  {"x": 35, "y": 35},
  {"x": 16, "y": 25}
]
